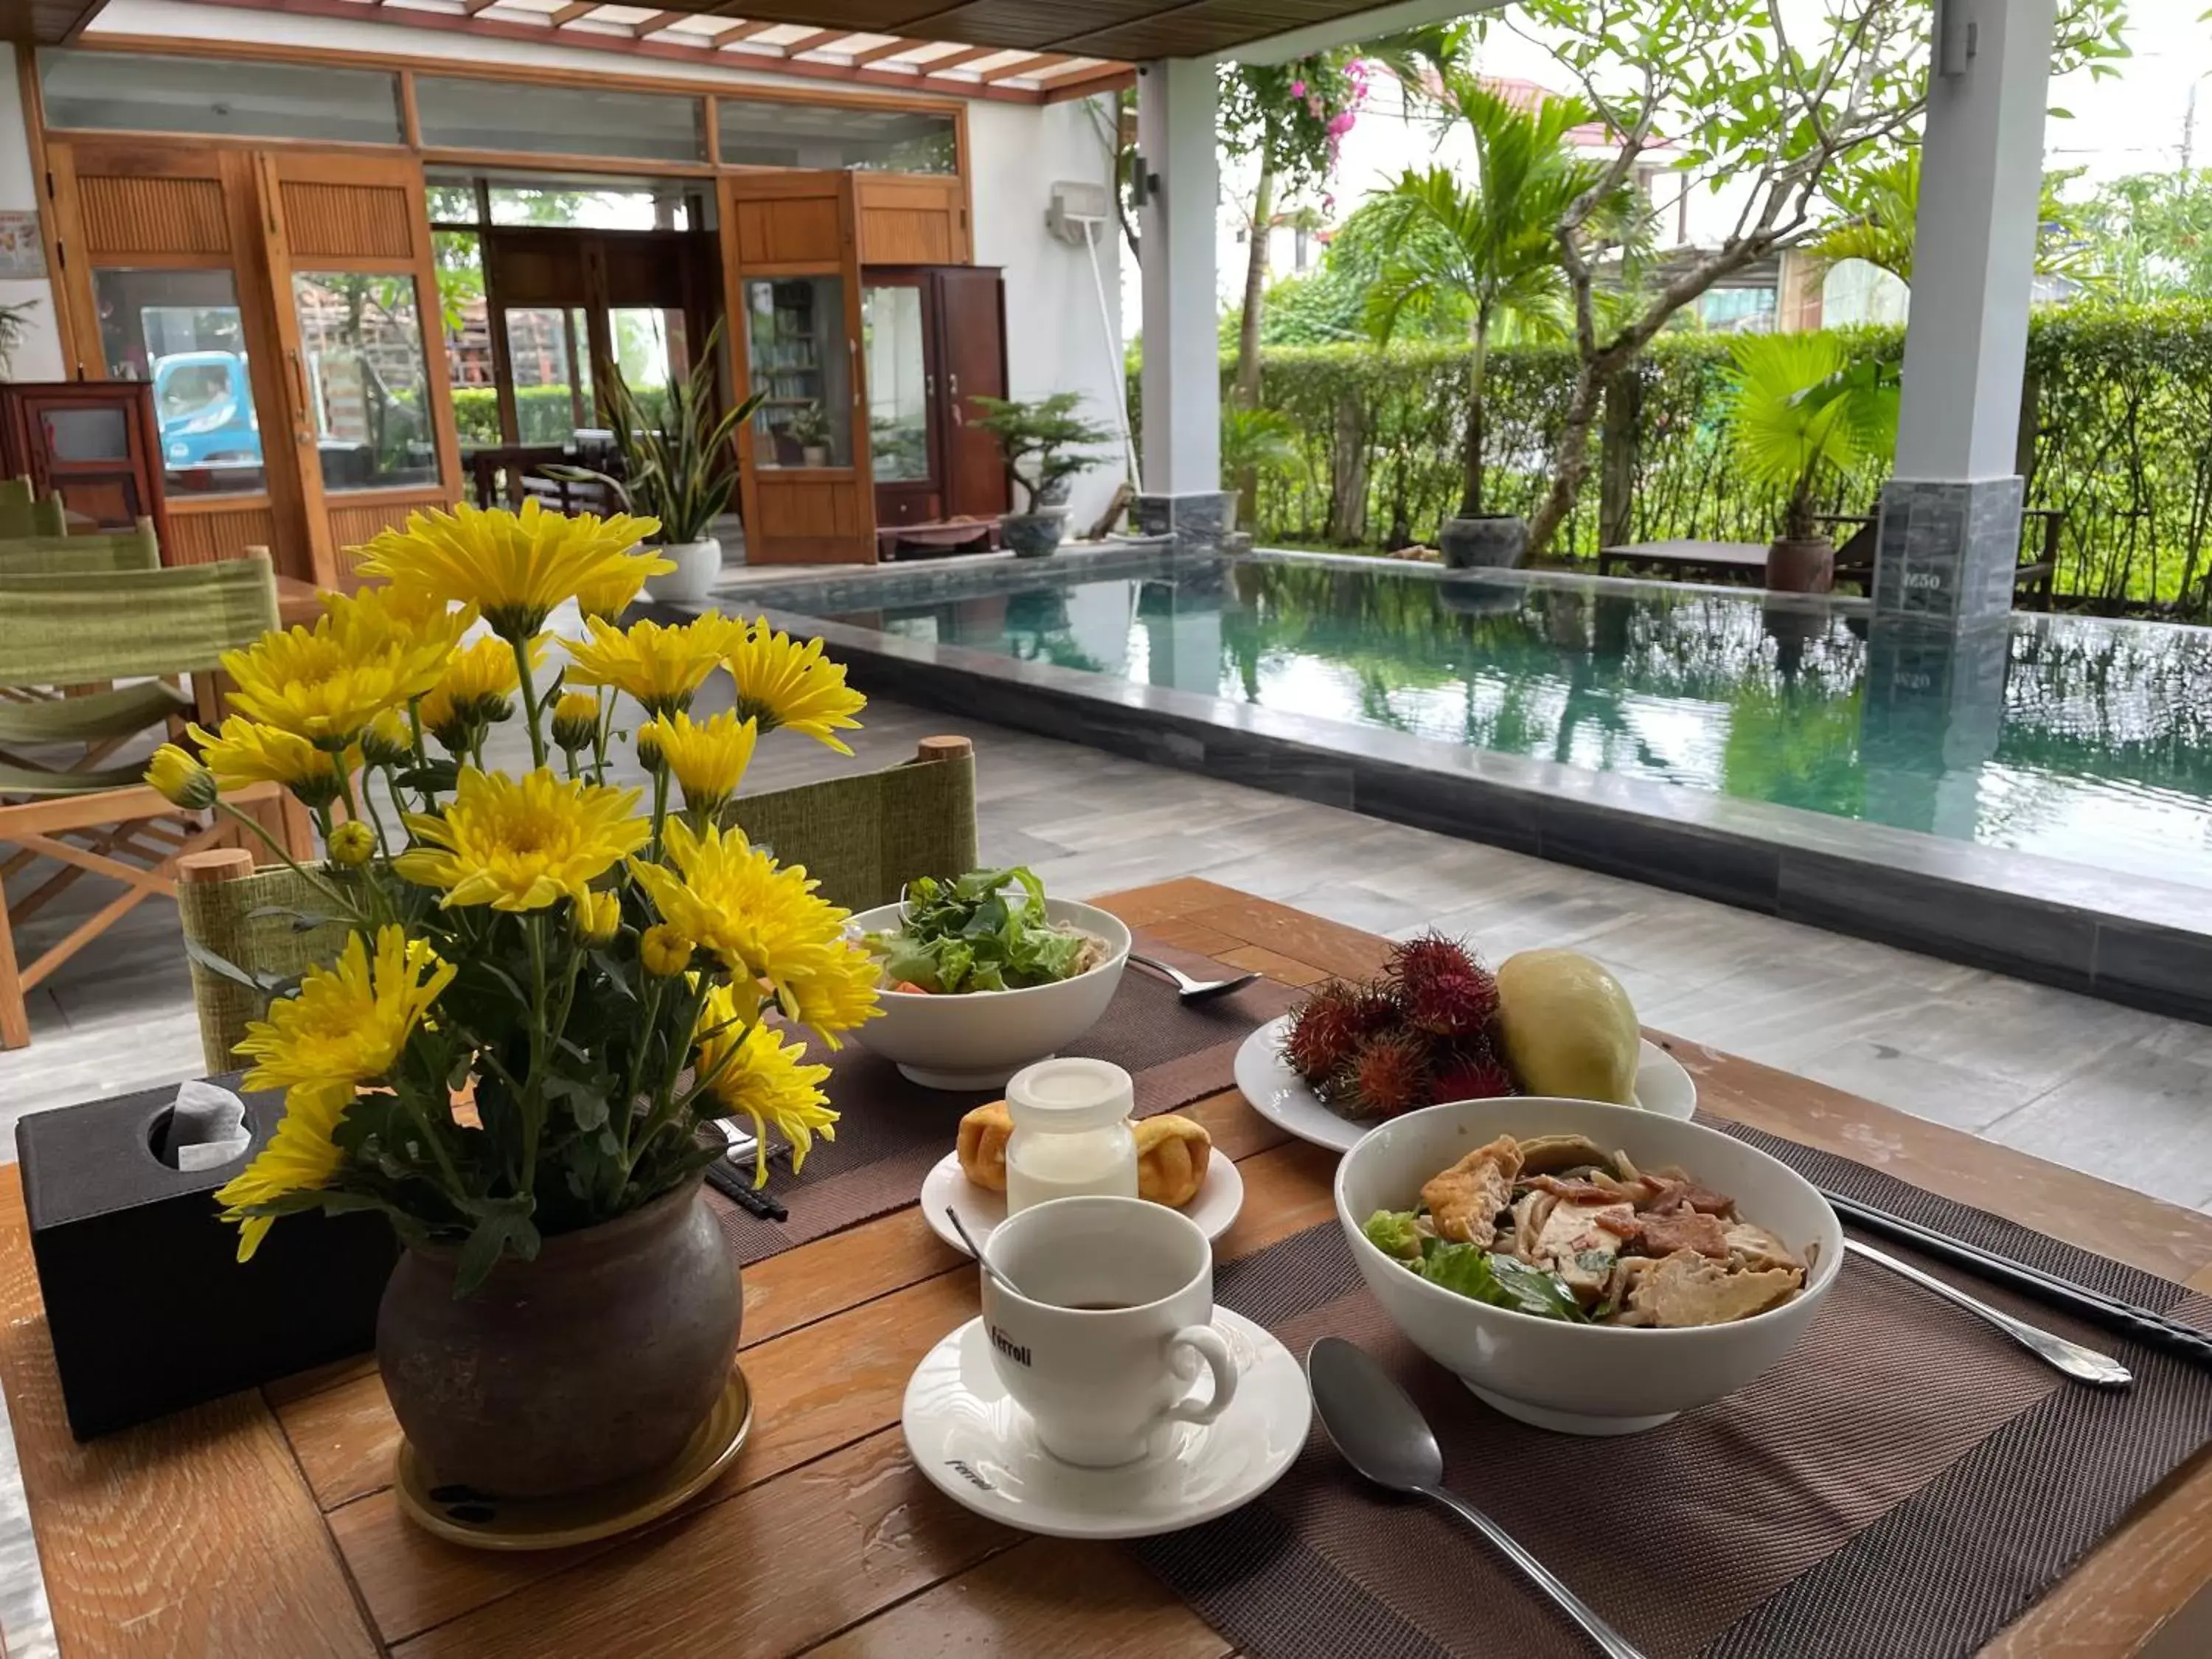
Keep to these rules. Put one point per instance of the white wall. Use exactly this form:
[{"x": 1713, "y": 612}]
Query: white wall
[
  {"x": 1056, "y": 340},
  {"x": 40, "y": 357}
]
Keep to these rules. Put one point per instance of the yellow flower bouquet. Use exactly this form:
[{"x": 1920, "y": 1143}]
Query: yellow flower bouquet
[{"x": 597, "y": 970}]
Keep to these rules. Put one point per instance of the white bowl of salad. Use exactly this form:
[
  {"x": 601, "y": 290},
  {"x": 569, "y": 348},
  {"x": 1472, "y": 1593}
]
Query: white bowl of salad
[{"x": 983, "y": 974}]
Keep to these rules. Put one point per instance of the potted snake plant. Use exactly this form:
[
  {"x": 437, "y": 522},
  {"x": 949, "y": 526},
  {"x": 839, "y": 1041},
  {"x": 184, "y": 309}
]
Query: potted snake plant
[
  {"x": 680, "y": 462},
  {"x": 1046, "y": 435}
]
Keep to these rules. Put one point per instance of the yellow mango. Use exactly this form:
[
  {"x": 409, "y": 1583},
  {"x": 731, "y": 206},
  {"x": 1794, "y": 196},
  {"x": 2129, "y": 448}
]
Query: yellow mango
[{"x": 1568, "y": 1028}]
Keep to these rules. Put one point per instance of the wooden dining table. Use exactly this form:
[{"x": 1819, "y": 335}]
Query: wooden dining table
[{"x": 264, "y": 1523}]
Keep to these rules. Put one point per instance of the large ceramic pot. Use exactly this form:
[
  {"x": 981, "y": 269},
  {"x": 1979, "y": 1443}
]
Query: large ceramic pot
[
  {"x": 1032, "y": 535},
  {"x": 697, "y": 565},
  {"x": 591, "y": 1363},
  {"x": 1807, "y": 566},
  {"x": 1493, "y": 541}
]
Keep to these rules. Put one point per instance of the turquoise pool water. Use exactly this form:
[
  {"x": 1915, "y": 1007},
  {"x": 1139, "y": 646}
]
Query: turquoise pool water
[{"x": 2072, "y": 737}]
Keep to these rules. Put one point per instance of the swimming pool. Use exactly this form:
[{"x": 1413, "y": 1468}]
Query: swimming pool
[{"x": 2071, "y": 738}]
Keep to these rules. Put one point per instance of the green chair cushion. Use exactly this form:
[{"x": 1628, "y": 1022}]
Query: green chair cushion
[{"x": 92, "y": 718}]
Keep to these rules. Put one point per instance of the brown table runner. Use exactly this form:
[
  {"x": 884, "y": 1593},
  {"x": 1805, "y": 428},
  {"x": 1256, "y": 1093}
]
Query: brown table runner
[
  {"x": 1903, "y": 1486},
  {"x": 891, "y": 1132}
]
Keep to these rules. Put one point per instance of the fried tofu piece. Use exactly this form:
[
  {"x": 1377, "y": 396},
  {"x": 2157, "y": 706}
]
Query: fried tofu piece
[
  {"x": 1465, "y": 1200},
  {"x": 1755, "y": 1247},
  {"x": 1688, "y": 1289},
  {"x": 1684, "y": 1230}
]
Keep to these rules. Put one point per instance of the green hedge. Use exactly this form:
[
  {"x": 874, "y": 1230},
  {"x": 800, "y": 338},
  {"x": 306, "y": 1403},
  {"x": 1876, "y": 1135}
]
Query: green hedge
[
  {"x": 2122, "y": 442},
  {"x": 543, "y": 413}
]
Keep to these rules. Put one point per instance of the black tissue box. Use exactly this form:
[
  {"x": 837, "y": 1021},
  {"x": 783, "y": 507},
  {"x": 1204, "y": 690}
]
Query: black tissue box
[{"x": 148, "y": 1307}]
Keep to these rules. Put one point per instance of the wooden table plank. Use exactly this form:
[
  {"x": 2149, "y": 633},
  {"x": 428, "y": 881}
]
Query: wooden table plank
[
  {"x": 192, "y": 1533},
  {"x": 823, "y": 1533}
]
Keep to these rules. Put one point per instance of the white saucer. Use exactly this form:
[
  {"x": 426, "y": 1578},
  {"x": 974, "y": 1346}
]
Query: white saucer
[
  {"x": 1219, "y": 1197},
  {"x": 1280, "y": 1095},
  {"x": 978, "y": 1448}
]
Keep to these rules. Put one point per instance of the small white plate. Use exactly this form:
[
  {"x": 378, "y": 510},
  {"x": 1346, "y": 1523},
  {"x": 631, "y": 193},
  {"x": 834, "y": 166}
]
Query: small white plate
[
  {"x": 979, "y": 1448},
  {"x": 1219, "y": 1197},
  {"x": 1280, "y": 1095}
]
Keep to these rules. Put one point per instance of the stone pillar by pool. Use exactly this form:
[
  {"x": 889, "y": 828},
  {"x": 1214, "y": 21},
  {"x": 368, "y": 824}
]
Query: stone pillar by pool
[
  {"x": 1181, "y": 495},
  {"x": 1949, "y": 532}
]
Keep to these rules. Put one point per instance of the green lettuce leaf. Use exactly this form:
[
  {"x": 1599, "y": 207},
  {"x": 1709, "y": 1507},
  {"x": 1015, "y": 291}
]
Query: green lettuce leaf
[
  {"x": 1501, "y": 1281},
  {"x": 1395, "y": 1233}
]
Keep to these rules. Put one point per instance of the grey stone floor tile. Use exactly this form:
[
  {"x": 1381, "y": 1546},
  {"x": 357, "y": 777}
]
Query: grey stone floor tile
[{"x": 2141, "y": 1120}]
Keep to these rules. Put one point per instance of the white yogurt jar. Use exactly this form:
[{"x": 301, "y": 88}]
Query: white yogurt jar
[{"x": 1072, "y": 1135}]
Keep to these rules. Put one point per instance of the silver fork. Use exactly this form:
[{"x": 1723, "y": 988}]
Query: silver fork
[{"x": 2083, "y": 1364}]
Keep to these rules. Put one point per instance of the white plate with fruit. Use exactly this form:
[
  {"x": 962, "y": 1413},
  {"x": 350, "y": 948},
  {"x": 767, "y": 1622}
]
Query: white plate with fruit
[{"x": 1437, "y": 1027}]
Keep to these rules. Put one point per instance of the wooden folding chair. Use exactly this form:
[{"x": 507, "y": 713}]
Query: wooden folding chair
[
  {"x": 66, "y": 556},
  {"x": 141, "y": 627}
]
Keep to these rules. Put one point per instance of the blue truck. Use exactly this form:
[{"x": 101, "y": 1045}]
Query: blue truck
[{"x": 205, "y": 407}]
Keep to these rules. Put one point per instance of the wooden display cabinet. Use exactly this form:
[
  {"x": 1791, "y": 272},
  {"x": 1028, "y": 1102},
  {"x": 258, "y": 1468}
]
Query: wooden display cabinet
[{"x": 94, "y": 442}]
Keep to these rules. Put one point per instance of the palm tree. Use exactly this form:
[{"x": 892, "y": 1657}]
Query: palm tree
[
  {"x": 1484, "y": 243},
  {"x": 1882, "y": 208}
]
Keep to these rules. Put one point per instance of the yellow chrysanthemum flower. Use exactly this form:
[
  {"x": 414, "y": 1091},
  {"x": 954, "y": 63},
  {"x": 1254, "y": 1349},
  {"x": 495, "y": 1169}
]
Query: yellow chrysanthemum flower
[
  {"x": 347, "y": 1023},
  {"x": 598, "y": 916},
  {"x": 784, "y": 683},
  {"x": 664, "y": 950},
  {"x": 245, "y": 752},
  {"x": 614, "y": 589},
  {"x": 576, "y": 720},
  {"x": 753, "y": 1071},
  {"x": 514, "y": 566},
  {"x": 765, "y": 923},
  {"x": 180, "y": 780},
  {"x": 387, "y": 740},
  {"x": 521, "y": 844},
  {"x": 325, "y": 687},
  {"x": 353, "y": 844},
  {"x": 708, "y": 758},
  {"x": 661, "y": 667},
  {"x": 302, "y": 1157},
  {"x": 380, "y": 618}
]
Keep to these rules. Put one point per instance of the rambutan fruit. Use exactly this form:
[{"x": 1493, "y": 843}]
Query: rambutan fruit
[
  {"x": 1388, "y": 1074},
  {"x": 1471, "y": 1072},
  {"x": 1443, "y": 987},
  {"x": 1327, "y": 1028}
]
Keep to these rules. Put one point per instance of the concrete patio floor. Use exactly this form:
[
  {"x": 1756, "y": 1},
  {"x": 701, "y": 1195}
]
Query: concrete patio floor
[{"x": 2110, "y": 1090}]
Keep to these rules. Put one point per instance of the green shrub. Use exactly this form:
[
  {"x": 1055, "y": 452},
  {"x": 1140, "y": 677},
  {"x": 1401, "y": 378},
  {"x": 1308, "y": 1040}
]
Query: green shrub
[{"x": 2123, "y": 444}]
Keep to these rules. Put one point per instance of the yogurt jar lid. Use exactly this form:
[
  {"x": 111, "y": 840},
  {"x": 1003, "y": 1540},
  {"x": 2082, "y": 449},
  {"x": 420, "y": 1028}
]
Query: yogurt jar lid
[{"x": 1071, "y": 1094}]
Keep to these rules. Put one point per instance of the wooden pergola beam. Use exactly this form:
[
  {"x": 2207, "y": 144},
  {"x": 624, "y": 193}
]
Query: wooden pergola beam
[
  {"x": 810, "y": 42},
  {"x": 1035, "y": 64},
  {"x": 889, "y": 49},
  {"x": 954, "y": 60},
  {"x": 570, "y": 13},
  {"x": 743, "y": 32}
]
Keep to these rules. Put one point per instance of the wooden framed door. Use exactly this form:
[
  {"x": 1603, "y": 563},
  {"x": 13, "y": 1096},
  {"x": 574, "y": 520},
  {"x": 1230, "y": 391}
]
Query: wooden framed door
[
  {"x": 791, "y": 268},
  {"x": 971, "y": 327},
  {"x": 160, "y": 251},
  {"x": 369, "y": 424}
]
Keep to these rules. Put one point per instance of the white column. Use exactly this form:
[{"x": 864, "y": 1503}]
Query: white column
[
  {"x": 1974, "y": 258},
  {"x": 1176, "y": 113}
]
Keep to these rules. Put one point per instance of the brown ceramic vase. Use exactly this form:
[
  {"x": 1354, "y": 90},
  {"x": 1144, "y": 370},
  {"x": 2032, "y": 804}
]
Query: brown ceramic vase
[
  {"x": 591, "y": 1363},
  {"x": 1806, "y": 566}
]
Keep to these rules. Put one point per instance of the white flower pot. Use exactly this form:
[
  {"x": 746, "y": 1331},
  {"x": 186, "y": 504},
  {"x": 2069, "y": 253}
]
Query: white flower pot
[{"x": 697, "y": 564}]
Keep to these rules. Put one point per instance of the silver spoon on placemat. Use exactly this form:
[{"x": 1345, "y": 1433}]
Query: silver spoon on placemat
[
  {"x": 1383, "y": 1434},
  {"x": 1189, "y": 989}
]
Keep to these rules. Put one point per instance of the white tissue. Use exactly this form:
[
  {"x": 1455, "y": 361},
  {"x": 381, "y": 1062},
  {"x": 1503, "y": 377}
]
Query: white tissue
[{"x": 206, "y": 1128}]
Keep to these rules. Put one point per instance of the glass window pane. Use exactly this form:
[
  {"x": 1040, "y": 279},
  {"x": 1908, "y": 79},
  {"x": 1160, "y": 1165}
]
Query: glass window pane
[
  {"x": 538, "y": 352},
  {"x": 650, "y": 350},
  {"x": 451, "y": 201},
  {"x": 469, "y": 371},
  {"x": 834, "y": 136},
  {"x": 115, "y": 91},
  {"x": 667, "y": 206},
  {"x": 362, "y": 336},
  {"x": 513, "y": 115},
  {"x": 795, "y": 339},
  {"x": 898, "y": 404},
  {"x": 180, "y": 329}
]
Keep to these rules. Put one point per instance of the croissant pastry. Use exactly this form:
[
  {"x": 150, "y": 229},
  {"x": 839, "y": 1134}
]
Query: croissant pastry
[
  {"x": 1172, "y": 1157},
  {"x": 1171, "y": 1153},
  {"x": 983, "y": 1134}
]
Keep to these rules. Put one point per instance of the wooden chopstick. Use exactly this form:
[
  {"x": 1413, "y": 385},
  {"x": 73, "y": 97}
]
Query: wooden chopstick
[{"x": 2110, "y": 1312}]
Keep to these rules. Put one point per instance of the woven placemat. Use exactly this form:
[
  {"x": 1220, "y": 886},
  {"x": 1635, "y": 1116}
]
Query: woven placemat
[
  {"x": 891, "y": 1132},
  {"x": 1903, "y": 1486}
]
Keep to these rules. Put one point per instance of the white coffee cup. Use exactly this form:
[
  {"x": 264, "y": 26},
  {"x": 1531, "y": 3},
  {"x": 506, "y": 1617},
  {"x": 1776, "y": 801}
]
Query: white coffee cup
[{"x": 1112, "y": 1323}]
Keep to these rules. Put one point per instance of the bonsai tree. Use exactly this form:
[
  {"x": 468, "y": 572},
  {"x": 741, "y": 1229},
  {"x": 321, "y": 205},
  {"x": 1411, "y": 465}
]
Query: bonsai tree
[
  {"x": 1803, "y": 406},
  {"x": 1482, "y": 245},
  {"x": 1043, "y": 433}
]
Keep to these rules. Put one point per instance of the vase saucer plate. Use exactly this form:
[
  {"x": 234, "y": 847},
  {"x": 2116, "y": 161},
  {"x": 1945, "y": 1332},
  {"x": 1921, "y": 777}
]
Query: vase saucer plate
[
  {"x": 1213, "y": 1208},
  {"x": 461, "y": 1515},
  {"x": 977, "y": 1447},
  {"x": 1286, "y": 1100}
]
